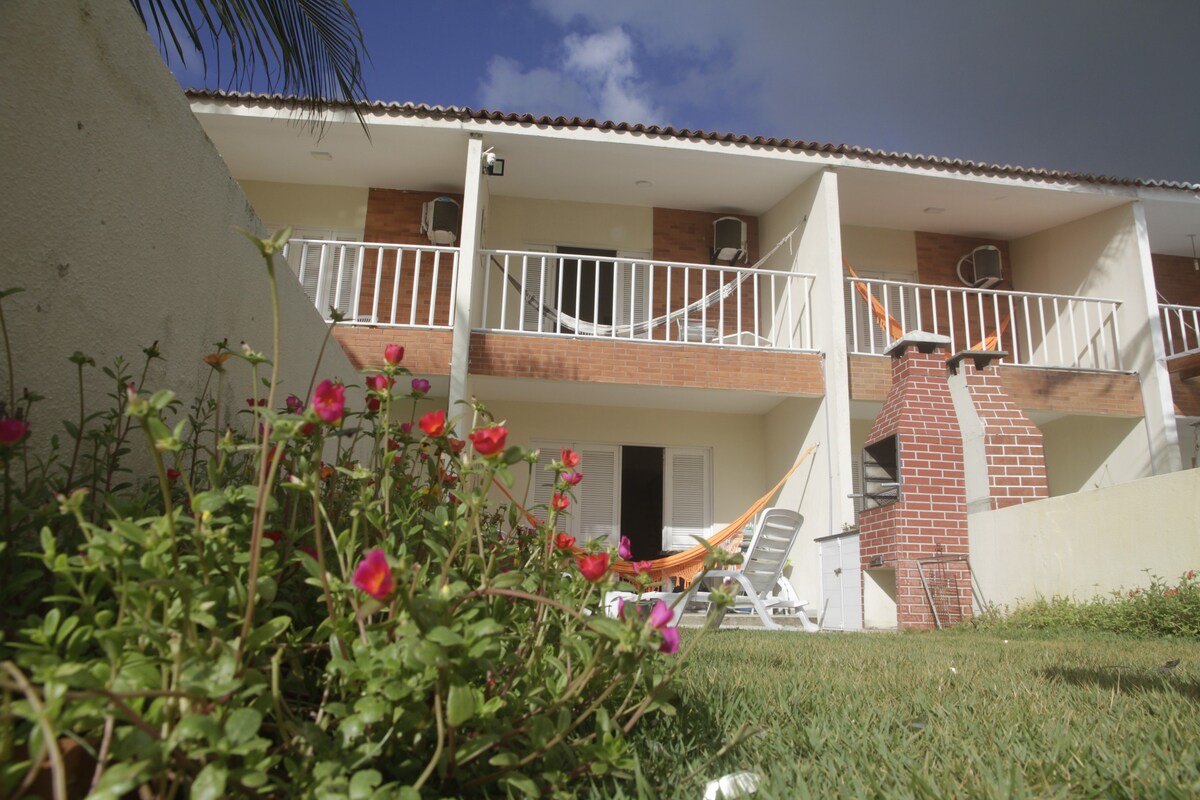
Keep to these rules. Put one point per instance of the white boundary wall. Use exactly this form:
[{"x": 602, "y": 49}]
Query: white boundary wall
[
  {"x": 119, "y": 215},
  {"x": 1089, "y": 543}
]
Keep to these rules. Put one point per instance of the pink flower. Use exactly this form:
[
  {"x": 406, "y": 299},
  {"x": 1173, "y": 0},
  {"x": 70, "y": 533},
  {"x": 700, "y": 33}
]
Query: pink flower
[
  {"x": 294, "y": 404},
  {"x": 420, "y": 386},
  {"x": 661, "y": 615},
  {"x": 434, "y": 423},
  {"x": 1191, "y": 573},
  {"x": 393, "y": 354},
  {"x": 564, "y": 542},
  {"x": 456, "y": 445},
  {"x": 642, "y": 566},
  {"x": 374, "y": 576},
  {"x": 275, "y": 536},
  {"x": 406, "y": 427},
  {"x": 250, "y": 401},
  {"x": 489, "y": 441},
  {"x": 372, "y": 404},
  {"x": 572, "y": 478},
  {"x": 570, "y": 458},
  {"x": 670, "y": 643},
  {"x": 560, "y": 502},
  {"x": 329, "y": 400},
  {"x": 380, "y": 383},
  {"x": 594, "y": 566},
  {"x": 173, "y": 474},
  {"x": 624, "y": 549},
  {"x": 13, "y": 430}
]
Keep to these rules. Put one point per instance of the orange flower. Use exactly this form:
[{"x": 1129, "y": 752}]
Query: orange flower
[
  {"x": 434, "y": 423},
  {"x": 560, "y": 502}
]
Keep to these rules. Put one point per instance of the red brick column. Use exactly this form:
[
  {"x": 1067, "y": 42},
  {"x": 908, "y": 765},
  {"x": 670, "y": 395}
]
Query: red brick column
[
  {"x": 930, "y": 518},
  {"x": 1016, "y": 460}
]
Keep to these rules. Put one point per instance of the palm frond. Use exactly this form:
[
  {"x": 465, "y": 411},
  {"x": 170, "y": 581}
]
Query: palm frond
[{"x": 313, "y": 49}]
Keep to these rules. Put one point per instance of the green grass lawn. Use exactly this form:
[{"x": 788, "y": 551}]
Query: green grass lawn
[{"x": 946, "y": 714}]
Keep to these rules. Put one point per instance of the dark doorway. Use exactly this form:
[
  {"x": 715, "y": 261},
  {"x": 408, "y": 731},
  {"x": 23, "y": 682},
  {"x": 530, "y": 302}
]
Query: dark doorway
[
  {"x": 590, "y": 280},
  {"x": 642, "y": 499}
]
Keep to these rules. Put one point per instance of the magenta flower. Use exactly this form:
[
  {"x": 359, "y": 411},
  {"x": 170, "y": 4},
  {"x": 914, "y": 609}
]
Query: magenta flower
[
  {"x": 670, "y": 643},
  {"x": 625, "y": 549},
  {"x": 393, "y": 354},
  {"x": 374, "y": 576},
  {"x": 294, "y": 404},
  {"x": 572, "y": 478},
  {"x": 661, "y": 615},
  {"x": 420, "y": 386},
  {"x": 329, "y": 401},
  {"x": 13, "y": 430}
]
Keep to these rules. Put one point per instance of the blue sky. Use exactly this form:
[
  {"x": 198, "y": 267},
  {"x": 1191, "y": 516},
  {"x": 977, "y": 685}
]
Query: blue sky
[{"x": 1100, "y": 86}]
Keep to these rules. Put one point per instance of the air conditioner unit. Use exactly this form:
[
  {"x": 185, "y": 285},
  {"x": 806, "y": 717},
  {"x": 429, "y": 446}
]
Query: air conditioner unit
[
  {"x": 440, "y": 219},
  {"x": 729, "y": 240},
  {"x": 985, "y": 267}
]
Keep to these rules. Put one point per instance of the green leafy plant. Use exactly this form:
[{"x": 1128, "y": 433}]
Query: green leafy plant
[{"x": 328, "y": 603}]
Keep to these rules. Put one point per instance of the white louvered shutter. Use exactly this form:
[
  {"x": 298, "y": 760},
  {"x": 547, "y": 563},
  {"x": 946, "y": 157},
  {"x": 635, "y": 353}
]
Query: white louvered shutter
[
  {"x": 599, "y": 508},
  {"x": 634, "y": 302},
  {"x": 306, "y": 261},
  {"x": 856, "y": 483},
  {"x": 540, "y": 286},
  {"x": 688, "y": 512}
]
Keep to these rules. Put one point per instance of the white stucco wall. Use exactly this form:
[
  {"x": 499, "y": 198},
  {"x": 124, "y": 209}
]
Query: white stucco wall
[
  {"x": 1090, "y": 543},
  {"x": 515, "y": 222},
  {"x": 1090, "y": 452},
  {"x": 119, "y": 216},
  {"x": 820, "y": 492},
  {"x": 879, "y": 249},
  {"x": 336, "y": 208},
  {"x": 1107, "y": 255}
]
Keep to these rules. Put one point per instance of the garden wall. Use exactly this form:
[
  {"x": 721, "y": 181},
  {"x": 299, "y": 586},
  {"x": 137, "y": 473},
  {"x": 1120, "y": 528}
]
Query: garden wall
[
  {"x": 1089, "y": 543},
  {"x": 120, "y": 216}
]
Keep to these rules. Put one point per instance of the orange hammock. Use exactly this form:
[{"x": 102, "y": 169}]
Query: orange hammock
[
  {"x": 891, "y": 325},
  {"x": 685, "y": 565}
]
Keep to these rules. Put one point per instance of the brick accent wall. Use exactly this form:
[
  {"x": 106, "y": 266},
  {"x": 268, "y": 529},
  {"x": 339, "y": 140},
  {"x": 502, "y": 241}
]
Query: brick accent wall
[
  {"x": 645, "y": 363},
  {"x": 686, "y": 237},
  {"x": 1030, "y": 389},
  {"x": 937, "y": 264},
  {"x": 426, "y": 352},
  {"x": 1073, "y": 392},
  {"x": 1016, "y": 460},
  {"x": 870, "y": 377},
  {"x": 930, "y": 519},
  {"x": 1176, "y": 279},
  {"x": 1185, "y": 384},
  {"x": 394, "y": 217}
]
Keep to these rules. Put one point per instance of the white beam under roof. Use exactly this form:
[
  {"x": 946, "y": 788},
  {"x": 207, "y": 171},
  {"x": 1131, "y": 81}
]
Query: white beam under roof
[{"x": 409, "y": 151}]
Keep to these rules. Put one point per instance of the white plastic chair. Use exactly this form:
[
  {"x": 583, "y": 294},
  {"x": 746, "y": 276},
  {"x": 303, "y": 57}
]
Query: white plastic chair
[{"x": 759, "y": 575}]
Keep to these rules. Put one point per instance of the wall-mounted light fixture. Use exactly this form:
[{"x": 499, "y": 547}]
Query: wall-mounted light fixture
[{"x": 491, "y": 165}]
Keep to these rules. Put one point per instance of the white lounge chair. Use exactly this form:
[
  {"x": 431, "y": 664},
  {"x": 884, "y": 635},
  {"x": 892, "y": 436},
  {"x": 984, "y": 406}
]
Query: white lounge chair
[{"x": 758, "y": 576}]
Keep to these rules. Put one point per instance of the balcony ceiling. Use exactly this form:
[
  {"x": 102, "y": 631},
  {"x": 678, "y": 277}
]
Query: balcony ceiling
[{"x": 645, "y": 170}]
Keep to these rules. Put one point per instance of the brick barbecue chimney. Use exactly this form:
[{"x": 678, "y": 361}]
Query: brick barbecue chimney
[{"x": 913, "y": 529}]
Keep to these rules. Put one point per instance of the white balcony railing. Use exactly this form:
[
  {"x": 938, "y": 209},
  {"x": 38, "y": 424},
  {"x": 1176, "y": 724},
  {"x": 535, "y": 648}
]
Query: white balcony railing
[
  {"x": 1181, "y": 329},
  {"x": 631, "y": 299},
  {"x": 1036, "y": 330},
  {"x": 378, "y": 284}
]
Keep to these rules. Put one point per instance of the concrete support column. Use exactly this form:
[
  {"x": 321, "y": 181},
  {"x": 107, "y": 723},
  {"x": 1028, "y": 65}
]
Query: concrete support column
[
  {"x": 470, "y": 239},
  {"x": 1161, "y": 430}
]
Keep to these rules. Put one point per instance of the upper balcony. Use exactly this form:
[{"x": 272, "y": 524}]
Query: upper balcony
[
  {"x": 1032, "y": 329},
  {"x": 600, "y": 296}
]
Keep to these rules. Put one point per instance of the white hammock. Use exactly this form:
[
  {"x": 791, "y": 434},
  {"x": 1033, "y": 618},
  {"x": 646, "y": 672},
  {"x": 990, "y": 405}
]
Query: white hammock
[{"x": 562, "y": 320}]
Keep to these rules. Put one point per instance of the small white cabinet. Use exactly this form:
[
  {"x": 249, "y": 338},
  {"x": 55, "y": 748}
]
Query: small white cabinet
[{"x": 841, "y": 582}]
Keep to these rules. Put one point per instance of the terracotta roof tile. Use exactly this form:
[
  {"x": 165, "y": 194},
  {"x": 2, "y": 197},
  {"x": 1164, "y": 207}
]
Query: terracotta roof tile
[{"x": 848, "y": 151}]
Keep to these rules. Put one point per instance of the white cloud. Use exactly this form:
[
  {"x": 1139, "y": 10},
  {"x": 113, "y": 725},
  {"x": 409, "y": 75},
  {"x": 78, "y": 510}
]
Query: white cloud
[{"x": 596, "y": 77}]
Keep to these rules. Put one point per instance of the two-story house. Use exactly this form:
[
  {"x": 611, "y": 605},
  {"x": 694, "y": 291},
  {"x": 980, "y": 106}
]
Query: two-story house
[{"x": 691, "y": 311}]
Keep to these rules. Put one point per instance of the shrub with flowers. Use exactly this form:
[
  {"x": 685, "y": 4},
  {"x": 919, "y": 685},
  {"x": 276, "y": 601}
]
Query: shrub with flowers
[{"x": 308, "y": 597}]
